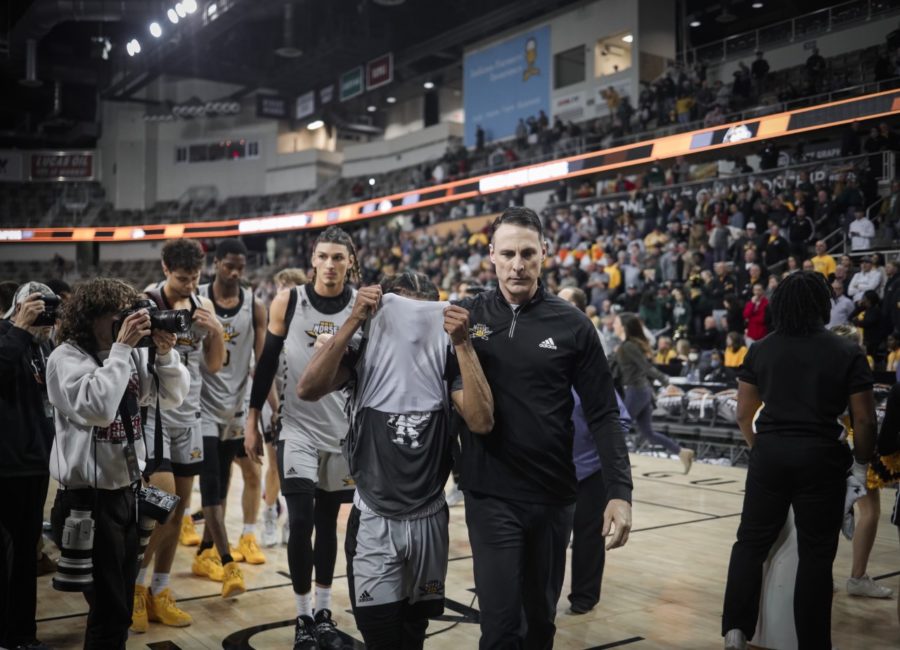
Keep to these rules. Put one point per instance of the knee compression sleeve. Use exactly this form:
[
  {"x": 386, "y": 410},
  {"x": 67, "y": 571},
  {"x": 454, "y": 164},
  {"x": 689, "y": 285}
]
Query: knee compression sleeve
[
  {"x": 325, "y": 553},
  {"x": 300, "y": 555}
]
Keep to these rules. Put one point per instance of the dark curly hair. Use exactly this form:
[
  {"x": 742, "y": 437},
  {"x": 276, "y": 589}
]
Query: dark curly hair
[
  {"x": 801, "y": 304},
  {"x": 410, "y": 285},
  {"x": 335, "y": 235},
  {"x": 183, "y": 254},
  {"x": 92, "y": 299}
]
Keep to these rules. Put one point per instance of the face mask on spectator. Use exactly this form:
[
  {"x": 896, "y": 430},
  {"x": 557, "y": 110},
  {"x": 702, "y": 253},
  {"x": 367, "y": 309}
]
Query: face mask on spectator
[{"x": 693, "y": 356}]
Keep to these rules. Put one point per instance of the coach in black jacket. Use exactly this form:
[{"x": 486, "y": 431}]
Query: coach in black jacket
[
  {"x": 519, "y": 480},
  {"x": 25, "y": 442}
]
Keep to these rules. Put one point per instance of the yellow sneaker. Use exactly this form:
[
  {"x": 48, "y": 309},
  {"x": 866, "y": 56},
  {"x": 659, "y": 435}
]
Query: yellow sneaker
[
  {"x": 139, "y": 621},
  {"x": 208, "y": 565},
  {"x": 236, "y": 555},
  {"x": 164, "y": 610},
  {"x": 188, "y": 535},
  {"x": 233, "y": 584},
  {"x": 248, "y": 547}
]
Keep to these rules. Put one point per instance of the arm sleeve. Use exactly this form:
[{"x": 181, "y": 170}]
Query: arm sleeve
[
  {"x": 266, "y": 367},
  {"x": 594, "y": 385},
  {"x": 889, "y": 435},
  {"x": 88, "y": 396}
]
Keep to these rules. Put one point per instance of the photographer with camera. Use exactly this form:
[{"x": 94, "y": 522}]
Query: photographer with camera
[
  {"x": 97, "y": 379},
  {"x": 24, "y": 456}
]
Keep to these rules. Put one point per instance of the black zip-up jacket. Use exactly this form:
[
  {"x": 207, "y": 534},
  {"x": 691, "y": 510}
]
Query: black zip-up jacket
[
  {"x": 532, "y": 359},
  {"x": 27, "y": 430}
]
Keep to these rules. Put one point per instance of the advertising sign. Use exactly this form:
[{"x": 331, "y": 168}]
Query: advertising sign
[
  {"x": 306, "y": 105},
  {"x": 506, "y": 81},
  {"x": 351, "y": 84},
  {"x": 273, "y": 106},
  {"x": 62, "y": 166},
  {"x": 380, "y": 71},
  {"x": 11, "y": 166}
]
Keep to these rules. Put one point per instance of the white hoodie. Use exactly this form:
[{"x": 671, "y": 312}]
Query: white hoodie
[{"x": 85, "y": 396}]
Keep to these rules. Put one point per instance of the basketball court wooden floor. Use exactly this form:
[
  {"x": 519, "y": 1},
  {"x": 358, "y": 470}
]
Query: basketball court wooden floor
[{"x": 662, "y": 591}]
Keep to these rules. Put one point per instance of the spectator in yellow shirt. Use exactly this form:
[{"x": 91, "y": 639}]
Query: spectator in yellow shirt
[
  {"x": 735, "y": 350},
  {"x": 893, "y": 346},
  {"x": 665, "y": 353},
  {"x": 823, "y": 262}
]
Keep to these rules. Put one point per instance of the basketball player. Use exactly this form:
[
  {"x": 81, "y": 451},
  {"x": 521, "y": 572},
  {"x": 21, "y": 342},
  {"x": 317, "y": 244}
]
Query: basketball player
[
  {"x": 284, "y": 279},
  {"x": 222, "y": 397},
  {"x": 182, "y": 262},
  {"x": 399, "y": 449},
  {"x": 315, "y": 479}
]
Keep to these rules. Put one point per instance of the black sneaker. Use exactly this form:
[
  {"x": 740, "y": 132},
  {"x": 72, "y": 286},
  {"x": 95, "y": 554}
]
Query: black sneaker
[
  {"x": 305, "y": 634},
  {"x": 326, "y": 631}
]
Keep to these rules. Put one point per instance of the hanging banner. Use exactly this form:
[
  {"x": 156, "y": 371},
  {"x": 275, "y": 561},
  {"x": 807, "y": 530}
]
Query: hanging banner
[
  {"x": 306, "y": 105},
  {"x": 62, "y": 166},
  {"x": 351, "y": 84},
  {"x": 274, "y": 106},
  {"x": 380, "y": 71},
  {"x": 11, "y": 168}
]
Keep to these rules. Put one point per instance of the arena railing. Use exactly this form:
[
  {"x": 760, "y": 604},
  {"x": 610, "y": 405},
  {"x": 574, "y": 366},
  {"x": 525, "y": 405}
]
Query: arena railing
[{"x": 804, "y": 26}]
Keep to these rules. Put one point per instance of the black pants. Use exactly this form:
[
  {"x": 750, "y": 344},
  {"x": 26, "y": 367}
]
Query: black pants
[
  {"x": 21, "y": 515},
  {"x": 588, "y": 545},
  {"x": 519, "y": 558},
  {"x": 808, "y": 473},
  {"x": 115, "y": 562}
]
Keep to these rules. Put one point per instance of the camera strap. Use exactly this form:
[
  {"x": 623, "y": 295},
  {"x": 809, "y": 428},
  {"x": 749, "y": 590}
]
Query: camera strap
[{"x": 151, "y": 465}]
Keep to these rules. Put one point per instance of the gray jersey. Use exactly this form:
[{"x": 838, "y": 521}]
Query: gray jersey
[
  {"x": 223, "y": 393},
  {"x": 322, "y": 423},
  {"x": 399, "y": 444},
  {"x": 190, "y": 348}
]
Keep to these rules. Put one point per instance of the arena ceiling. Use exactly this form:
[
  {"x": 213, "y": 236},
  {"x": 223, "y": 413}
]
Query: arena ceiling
[{"x": 239, "y": 46}]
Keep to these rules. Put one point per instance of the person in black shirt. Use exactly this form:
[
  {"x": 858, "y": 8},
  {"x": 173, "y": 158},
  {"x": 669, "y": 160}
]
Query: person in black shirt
[
  {"x": 792, "y": 387},
  {"x": 519, "y": 480},
  {"x": 27, "y": 420}
]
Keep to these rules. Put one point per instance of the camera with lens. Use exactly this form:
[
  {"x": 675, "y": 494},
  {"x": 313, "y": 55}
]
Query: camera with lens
[
  {"x": 74, "y": 572},
  {"x": 47, "y": 318},
  {"x": 156, "y": 504},
  {"x": 174, "y": 321}
]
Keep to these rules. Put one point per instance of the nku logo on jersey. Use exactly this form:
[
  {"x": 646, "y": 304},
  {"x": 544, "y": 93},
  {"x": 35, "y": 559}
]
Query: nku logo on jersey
[
  {"x": 480, "y": 331},
  {"x": 229, "y": 333},
  {"x": 322, "y": 327}
]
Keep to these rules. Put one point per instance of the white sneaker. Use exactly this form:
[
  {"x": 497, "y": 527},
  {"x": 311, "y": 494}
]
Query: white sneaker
[
  {"x": 867, "y": 588},
  {"x": 735, "y": 640},
  {"x": 269, "y": 537},
  {"x": 454, "y": 496},
  {"x": 285, "y": 532}
]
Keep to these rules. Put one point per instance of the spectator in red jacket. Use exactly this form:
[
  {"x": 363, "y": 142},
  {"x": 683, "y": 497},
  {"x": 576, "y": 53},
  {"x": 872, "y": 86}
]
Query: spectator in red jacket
[{"x": 755, "y": 314}]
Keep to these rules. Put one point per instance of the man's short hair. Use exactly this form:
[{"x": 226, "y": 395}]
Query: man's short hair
[
  {"x": 290, "y": 276},
  {"x": 579, "y": 299},
  {"x": 183, "y": 255},
  {"x": 230, "y": 246},
  {"x": 519, "y": 216},
  {"x": 59, "y": 287},
  {"x": 411, "y": 285}
]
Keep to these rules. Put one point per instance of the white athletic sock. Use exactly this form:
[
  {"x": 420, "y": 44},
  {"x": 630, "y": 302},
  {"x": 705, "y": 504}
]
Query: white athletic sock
[
  {"x": 272, "y": 511},
  {"x": 141, "y": 577},
  {"x": 304, "y": 604},
  {"x": 159, "y": 582},
  {"x": 323, "y": 598},
  {"x": 249, "y": 529}
]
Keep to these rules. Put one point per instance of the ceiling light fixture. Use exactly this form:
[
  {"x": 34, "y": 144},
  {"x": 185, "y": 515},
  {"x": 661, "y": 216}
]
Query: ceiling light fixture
[
  {"x": 155, "y": 29},
  {"x": 372, "y": 182},
  {"x": 391, "y": 100},
  {"x": 757, "y": 5},
  {"x": 371, "y": 108},
  {"x": 211, "y": 10},
  {"x": 628, "y": 38},
  {"x": 428, "y": 85},
  {"x": 315, "y": 124},
  {"x": 179, "y": 9},
  {"x": 136, "y": 45},
  {"x": 695, "y": 23},
  {"x": 190, "y": 6},
  {"x": 173, "y": 17}
]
